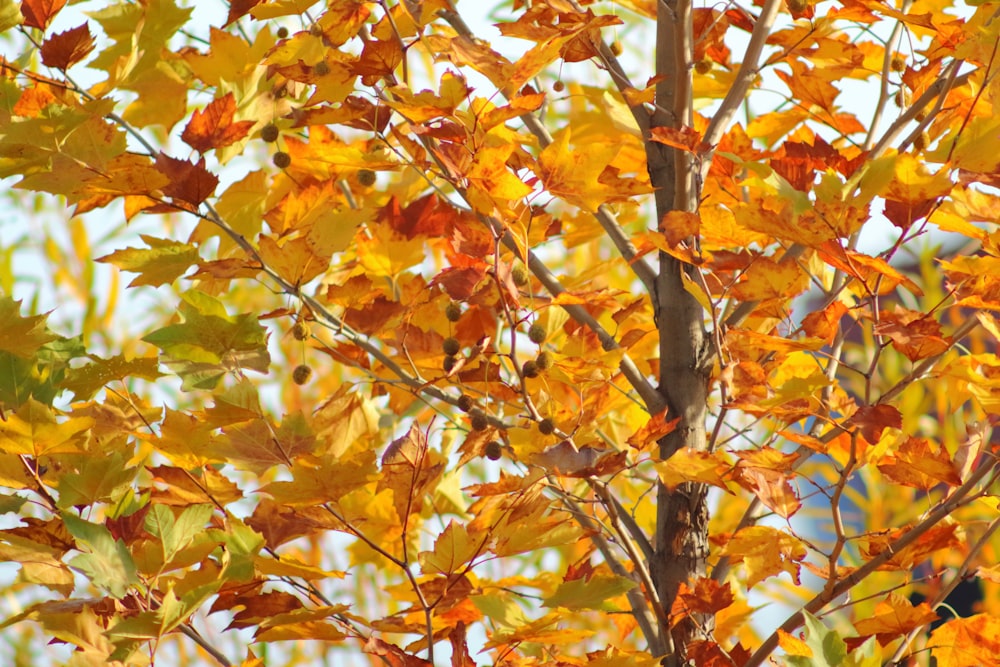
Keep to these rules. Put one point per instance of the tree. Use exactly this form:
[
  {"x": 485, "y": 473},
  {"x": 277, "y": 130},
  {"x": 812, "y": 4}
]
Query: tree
[{"x": 571, "y": 355}]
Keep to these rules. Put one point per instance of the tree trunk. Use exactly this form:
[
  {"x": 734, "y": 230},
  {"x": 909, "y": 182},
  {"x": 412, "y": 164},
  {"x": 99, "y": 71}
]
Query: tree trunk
[{"x": 682, "y": 515}]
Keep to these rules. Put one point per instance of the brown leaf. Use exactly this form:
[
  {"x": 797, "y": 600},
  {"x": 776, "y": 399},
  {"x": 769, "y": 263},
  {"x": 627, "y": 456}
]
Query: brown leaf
[
  {"x": 190, "y": 184},
  {"x": 392, "y": 655},
  {"x": 62, "y": 50},
  {"x": 871, "y": 420}
]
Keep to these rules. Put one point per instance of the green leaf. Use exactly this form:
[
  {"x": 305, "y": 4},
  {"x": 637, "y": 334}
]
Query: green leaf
[
  {"x": 828, "y": 649},
  {"x": 22, "y": 336},
  {"x": 175, "y": 534},
  {"x": 87, "y": 380},
  {"x": 210, "y": 342},
  {"x": 105, "y": 561},
  {"x": 589, "y": 594},
  {"x": 159, "y": 264},
  {"x": 240, "y": 543},
  {"x": 11, "y": 503},
  {"x": 96, "y": 479}
]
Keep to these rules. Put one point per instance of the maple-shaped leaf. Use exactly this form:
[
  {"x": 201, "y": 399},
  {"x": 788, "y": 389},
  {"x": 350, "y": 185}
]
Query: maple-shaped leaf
[
  {"x": 64, "y": 49},
  {"x": 324, "y": 479},
  {"x": 378, "y": 60},
  {"x": 22, "y": 336},
  {"x": 592, "y": 593},
  {"x": 707, "y": 596},
  {"x": 566, "y": 460},
  {"x": 412, "y": 470},
  {"x": 690, "y": 465},
  {"x": 105, "y": 561},
  {"x": 895, "y": 617},
  {"x": 161, "y": 263},
  {"x": 39, "y": 13},
  {"x": 825, "y": 646},
  {"x": 871, "y": 420},
  {"x": 967, "y": 642},
  {"x": 34, "y": 429},
  {"x": 453, "y": 549},
  {"x": 210, "y": 342},
  {"x": 189, "y": 184},
  {"x": 766, "y": 552},
  {"x": 213, "y": 127},
  {"x": 939, "y": 537},
  {"x": 916, "y": 462},
  {"x": 238, "y": 9},
  {"x": 392, "y": 655},
  {"x": 96, "y": 479},
  {"x": 654, "y": 429},
  {"x": 914, "y": 334}
]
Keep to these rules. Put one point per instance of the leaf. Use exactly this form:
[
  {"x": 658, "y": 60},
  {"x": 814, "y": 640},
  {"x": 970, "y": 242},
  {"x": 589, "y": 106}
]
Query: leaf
[
  {"x": 895, "y": 617},
  {"x": 916, "y": 462},
  {"x": 453, "y": 549},
  {"x": 105, "y": 561},
  {"x": 690, "y": 465},
  {"x": 85, "y": 381},
  {"x": 210, "y": 342},
  {"x": 213, "y": 127},
  {"x": 872, "y": 420},
  {"x": 967, "y": 642},
  {"x": 766, "y": 552},
  {"x": 657, "y": 427},
  {"x": 591, "y": 593},
  {"x": 10, "y": 15},
  {"x": 161, "y": 263},
  {"x": 34, "y": 430},
  {"x": 65, "y": 49},
  {"x": 22, "y": 336},
  {"x": 176, "y": 533},
  {"x": 39, "y": 13},
  {"x": 188, "y": 184},
  {"x": 826, "y": 648}
]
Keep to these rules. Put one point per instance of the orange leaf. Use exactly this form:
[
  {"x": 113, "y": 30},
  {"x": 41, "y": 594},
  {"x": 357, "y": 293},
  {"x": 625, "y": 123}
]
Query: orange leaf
[
  {"x": 690, "y": 465},
  {"x": 64, "y": 49},
  {"x": 895, "y": 617},
  {"x": 912, "y": 333},
  {"x": 213, "y": 127},
  {"x": 684, "y": 138},
  {"x": 918, "y": 464},
  {"x": 657, "y": 427},
  {"x": 824, "y": 324},
  {"x": 39, "y": 13},
  {"x": 766, "y": 552},
  {"x": 378, "y": 60},
  {"x": 707, "y": 597},
  {"x": 679, "y": 225},
  {"x": 967, "y": 642}
]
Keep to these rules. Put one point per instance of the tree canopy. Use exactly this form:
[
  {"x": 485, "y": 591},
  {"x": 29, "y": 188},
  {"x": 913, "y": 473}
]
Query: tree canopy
[{"x": 560, "y": 332}]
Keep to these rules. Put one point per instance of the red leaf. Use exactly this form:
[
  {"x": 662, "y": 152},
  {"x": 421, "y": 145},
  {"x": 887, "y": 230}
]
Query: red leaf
[
  {"x": 189, "y": 183},
  {"x": 64, "y": 49},
  {"x": 871, "y": 420},
  {"x": 213, "y": 127},
  {"x": 903, "y": 214},
  {"x": 460, "y": 283},
  {"x": 39, "y": 13},
  {"x": 239, "y": 8}
]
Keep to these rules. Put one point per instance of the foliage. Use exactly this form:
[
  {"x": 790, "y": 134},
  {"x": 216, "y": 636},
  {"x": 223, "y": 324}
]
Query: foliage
[{"x": 553, "y": 353}]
